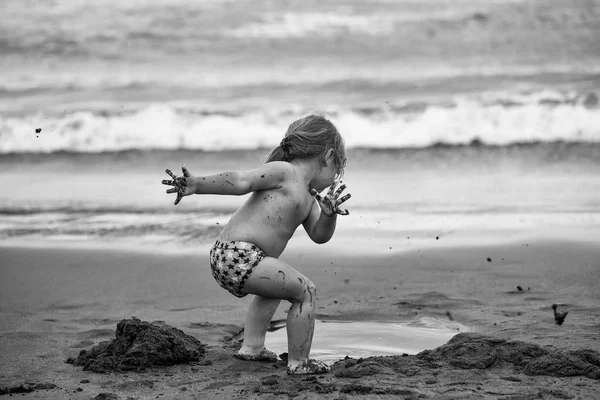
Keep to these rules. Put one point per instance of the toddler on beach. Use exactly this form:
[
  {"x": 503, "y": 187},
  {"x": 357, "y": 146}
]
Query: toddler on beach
[{"x": 245, "y": 258}]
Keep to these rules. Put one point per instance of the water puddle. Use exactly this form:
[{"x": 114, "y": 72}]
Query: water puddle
[{"x": 334, "y": 340}]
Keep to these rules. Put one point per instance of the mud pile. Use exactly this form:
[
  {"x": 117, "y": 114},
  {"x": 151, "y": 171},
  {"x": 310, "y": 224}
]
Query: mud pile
[
  {"x": 139, "y": 345},
  {"x": 475, "y": 351}
]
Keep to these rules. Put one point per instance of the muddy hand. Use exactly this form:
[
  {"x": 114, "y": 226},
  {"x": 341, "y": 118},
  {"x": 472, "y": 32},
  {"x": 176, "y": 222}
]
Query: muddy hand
[
  {"x": 330, "y": 203},
  {"x": 182, "y": 185}
]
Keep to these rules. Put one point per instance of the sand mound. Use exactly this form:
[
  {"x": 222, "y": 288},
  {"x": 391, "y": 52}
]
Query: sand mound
[
  {"x": 471, "y": 350},
  {"x": 138, "y": 345},
  {"x": 477, "y": 351}
]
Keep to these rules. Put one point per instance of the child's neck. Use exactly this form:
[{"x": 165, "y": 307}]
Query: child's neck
[{"x": 307, "y": 168}]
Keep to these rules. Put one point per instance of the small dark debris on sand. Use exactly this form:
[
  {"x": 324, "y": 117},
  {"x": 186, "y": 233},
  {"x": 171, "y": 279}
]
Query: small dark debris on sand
[
  {"x": 139, "y": 345},
  {"x": 519, "y": 288},
  {"x": 559, "y": 317},
  {"x": 106, "y": 396},
  {"x": 26, "y": 388}
]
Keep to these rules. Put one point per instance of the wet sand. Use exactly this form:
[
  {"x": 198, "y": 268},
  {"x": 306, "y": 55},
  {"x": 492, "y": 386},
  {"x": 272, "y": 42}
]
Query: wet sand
[{"x": 56, "y": 302}]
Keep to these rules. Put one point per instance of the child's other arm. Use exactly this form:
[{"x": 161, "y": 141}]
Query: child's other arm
[
  {"x": 319, "y": 226},
  {"x": 320, "y": 223}
]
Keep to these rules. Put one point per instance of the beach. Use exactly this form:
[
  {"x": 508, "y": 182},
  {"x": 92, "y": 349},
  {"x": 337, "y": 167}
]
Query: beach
[
  {"x": 60, "y": 301},
  {"x": 468, "y": 267},
  {"x": 488, "y": 251}
]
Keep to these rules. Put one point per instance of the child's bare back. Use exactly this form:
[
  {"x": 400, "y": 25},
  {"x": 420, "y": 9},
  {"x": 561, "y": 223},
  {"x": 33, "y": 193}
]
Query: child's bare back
[{"x": 270, "y": 217}]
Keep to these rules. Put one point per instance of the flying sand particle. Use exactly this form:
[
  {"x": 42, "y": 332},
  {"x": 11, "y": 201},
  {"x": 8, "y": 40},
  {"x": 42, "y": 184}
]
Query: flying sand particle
[{"x": 559, "y": 318}]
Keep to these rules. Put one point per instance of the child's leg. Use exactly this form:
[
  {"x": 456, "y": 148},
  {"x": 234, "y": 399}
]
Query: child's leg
[
  {"x": 259, "y": 315},
  {"x": 272, "y": 278}
]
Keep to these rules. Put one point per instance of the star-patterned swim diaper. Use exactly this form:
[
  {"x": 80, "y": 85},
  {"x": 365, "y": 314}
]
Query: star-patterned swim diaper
[{"x": 232, "y": 262}]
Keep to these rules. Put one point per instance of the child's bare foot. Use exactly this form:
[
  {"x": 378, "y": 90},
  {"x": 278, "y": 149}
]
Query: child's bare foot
[
  {"x": 310, "y": 366},
  {"x": 264, "y": 355}
]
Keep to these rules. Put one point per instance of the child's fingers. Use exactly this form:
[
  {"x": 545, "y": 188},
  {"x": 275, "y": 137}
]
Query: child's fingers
[
  {"x": 340, "y": 190},
  {"x": 171, "y": 174},
  {"x": 343, "y": 212},
  {"x": 331, "y": 188},
  {"x": 167, "y": 182},
  {"x": 186, "y": 173},
  {"x": 343, "y": 199},
  {"x": 328, "y": 203},
  {"x": 173, "y": 190},
  {"x": 314, "y": 192},
  {"x": 178, "y": 199}
]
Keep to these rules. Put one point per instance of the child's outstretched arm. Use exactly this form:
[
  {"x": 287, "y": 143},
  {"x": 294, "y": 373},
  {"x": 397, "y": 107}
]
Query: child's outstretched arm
[
  {"x": 321, "y": 222},
  {"x": 268, "y": 176}
]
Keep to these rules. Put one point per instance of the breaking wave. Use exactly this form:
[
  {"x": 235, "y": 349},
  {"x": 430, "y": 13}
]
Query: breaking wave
[{"x": 546, "y": 116}]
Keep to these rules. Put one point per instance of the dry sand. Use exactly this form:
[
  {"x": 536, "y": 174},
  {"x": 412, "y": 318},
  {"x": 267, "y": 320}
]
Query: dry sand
[{"x": 56, "y": 302}]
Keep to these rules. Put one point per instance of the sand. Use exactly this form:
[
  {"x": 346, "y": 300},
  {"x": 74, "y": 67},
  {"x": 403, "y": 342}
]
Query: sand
[{"x": 57, "y": 301}]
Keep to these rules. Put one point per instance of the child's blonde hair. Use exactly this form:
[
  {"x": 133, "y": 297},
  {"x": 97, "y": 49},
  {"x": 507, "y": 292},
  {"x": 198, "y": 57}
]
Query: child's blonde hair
[{"x": 310, "y": 136}]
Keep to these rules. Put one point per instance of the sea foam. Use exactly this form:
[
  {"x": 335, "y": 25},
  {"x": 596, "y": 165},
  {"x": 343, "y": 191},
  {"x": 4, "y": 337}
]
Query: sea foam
[{"x": 535, "y": 117}]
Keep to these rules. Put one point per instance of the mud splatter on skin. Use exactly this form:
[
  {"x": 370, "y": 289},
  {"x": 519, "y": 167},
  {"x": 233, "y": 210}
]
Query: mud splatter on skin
[
  {"x": 179, "y": 184},
  {"x": 330, "y": 201},
  {"x": 229, "y": 183},
  {"x": 282, "y": 273}
]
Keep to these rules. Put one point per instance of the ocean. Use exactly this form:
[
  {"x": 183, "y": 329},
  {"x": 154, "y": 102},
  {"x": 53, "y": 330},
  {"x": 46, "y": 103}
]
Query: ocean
[{"x": 462, "y": 116}]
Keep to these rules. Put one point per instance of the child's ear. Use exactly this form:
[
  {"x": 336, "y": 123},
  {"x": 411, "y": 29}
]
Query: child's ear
[{"x": 329, "y": 156}]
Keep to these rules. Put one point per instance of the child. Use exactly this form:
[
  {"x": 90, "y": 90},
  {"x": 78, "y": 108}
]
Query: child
[{"x": 245, "y": 258}]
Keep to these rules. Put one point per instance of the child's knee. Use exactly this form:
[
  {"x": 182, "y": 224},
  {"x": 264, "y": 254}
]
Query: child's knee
[
  {"x": 311, "y": 287},
  {"x": 308, "y": 293}
]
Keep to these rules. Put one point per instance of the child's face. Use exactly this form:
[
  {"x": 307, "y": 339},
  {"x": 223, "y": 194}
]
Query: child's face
[{"x": 330, "y": 172}]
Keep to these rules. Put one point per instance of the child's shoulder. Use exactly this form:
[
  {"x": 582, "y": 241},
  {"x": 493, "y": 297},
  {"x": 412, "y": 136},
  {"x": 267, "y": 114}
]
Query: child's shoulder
[{"x": 283, "y": 167}]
